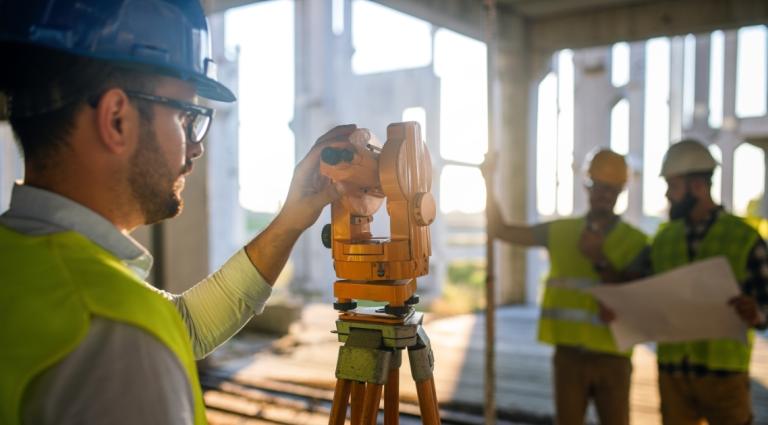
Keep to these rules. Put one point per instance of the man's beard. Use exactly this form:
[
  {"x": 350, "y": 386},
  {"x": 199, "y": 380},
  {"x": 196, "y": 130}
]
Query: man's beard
[
  {"x": 154, "y": 185},
  {"x": 682, "y": 208}
]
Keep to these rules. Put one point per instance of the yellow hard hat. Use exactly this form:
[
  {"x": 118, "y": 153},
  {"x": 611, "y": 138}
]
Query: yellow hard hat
[{"x": 607, "y": 166}]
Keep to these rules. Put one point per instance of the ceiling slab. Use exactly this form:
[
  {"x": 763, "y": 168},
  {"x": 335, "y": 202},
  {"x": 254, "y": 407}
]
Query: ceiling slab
[
  {"x": 640, "y": 21},
  {"x": 557, "y": 24},
  {"x": 540, "y": 8}
]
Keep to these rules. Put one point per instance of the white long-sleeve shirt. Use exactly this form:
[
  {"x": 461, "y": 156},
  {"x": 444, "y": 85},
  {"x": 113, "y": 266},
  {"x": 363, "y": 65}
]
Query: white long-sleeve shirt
[{"x": 121, "y": 374}]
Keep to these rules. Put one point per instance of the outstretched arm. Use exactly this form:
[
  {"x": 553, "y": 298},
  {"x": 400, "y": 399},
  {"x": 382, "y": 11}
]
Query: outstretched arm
[{"x": 522, "y": 235}]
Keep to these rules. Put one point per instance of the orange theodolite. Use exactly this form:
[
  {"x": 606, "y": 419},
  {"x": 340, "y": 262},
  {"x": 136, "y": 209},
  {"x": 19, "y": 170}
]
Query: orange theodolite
[{"x": 380, "y": 268}]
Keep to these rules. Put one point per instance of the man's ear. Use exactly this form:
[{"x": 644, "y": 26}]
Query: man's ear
[{"x": 115, "y": 119}]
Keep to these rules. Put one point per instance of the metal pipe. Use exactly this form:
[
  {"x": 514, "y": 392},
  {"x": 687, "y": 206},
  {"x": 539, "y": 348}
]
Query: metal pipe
[{"x": 490, "y": 283}]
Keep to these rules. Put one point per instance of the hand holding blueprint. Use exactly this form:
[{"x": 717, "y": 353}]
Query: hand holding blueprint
[{"x": 685, "y": 304}]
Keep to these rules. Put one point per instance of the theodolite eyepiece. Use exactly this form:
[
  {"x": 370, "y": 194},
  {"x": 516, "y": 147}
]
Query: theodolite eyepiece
[{"x": 333, "y": 156}]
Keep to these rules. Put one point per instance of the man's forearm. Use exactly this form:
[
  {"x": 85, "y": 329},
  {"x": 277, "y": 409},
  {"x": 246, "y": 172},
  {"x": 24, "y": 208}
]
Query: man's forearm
[
  {"x": 269, "y": 251},
  {"x": 518, "y": 235}
]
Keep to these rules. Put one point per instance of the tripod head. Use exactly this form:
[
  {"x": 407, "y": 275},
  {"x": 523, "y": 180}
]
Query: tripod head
[{"x": 366, "y": 174}]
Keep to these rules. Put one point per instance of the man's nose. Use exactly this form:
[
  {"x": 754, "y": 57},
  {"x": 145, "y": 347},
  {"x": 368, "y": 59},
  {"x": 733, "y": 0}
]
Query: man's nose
[{"x": 195, "y": 150}]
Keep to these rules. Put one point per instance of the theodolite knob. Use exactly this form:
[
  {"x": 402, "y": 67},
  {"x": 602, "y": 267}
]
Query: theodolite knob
[
  {"x": 333, "y": 156},
  {"x": 424, "y": 208},
  {"x": 326, "y": 235}
]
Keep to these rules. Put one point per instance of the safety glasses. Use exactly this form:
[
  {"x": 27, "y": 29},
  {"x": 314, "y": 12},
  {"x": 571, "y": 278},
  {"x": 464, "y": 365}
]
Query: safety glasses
[{"x": 197, "y": 119}]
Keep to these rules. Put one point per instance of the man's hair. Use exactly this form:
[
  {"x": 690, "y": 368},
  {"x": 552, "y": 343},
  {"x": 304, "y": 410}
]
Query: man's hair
[{"x": 47, "y": 88}]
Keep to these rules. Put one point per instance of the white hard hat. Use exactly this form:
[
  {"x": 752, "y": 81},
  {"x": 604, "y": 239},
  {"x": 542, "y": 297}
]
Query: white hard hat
[{"x": 686, "y": 157}]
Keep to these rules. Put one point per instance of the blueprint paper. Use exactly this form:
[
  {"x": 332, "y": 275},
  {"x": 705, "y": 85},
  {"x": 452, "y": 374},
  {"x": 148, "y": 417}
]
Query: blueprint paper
[{"x": 688, "y": 303}]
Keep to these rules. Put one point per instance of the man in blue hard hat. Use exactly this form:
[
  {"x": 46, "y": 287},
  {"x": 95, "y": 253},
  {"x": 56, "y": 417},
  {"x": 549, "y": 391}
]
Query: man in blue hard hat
[{"x": 103, "y": 103}]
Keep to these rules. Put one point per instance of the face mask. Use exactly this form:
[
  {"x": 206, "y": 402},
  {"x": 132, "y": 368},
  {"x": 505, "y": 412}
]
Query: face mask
[{"x": 682, "y": 208}]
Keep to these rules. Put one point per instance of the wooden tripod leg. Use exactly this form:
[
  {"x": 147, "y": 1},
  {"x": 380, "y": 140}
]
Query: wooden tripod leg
[
  {"x": 371, "y": 403},
  {"x": 392, "y": 397},
  {"x": 340, "y": 401},
  {"x": 358, "y": 395},
  {"x": 430, "y": 415}
]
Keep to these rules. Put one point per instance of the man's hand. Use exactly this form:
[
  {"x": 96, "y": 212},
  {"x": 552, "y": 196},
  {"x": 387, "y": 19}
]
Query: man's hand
[
  {"x": 488, "y": 167},
  {"x": 746, "y": 307},
  {"x": 495, "y": 221},
  {"x": 310, "y": 191},
  {"x": 591, "y": 245},
  {"x": 606, "y": 314}
]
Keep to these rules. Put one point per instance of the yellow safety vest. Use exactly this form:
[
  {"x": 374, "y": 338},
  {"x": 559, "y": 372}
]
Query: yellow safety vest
[
  {"x": 51, "y": 287},
  {"x": 731, "y": 237},
  {"x": 569, "y": 315}
]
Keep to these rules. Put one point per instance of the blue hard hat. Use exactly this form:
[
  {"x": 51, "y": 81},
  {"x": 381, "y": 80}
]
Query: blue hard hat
[{"x": 168, "y": 37}]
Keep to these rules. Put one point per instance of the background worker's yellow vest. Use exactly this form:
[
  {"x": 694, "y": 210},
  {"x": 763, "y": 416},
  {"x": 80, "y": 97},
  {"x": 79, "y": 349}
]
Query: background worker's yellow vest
[
  {"x": 50, "y": 288},
  {"x": 731, "y": 237},
  {"x": 569, "y": 316}
]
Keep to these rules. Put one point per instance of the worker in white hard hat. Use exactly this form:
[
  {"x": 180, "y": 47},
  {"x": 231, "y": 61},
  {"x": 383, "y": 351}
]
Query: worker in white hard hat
[
  {"x": 707, "y": 379},
  {"x": 584, "y": 251}
]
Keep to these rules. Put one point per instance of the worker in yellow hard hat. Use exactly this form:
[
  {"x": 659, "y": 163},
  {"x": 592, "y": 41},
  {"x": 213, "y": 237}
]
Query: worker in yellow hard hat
[
  {"x": 707, "y": 379},
  {"x": 592, "y": 249}
]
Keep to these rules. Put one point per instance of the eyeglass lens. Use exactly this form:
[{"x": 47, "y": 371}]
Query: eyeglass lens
[{"x": 198, "y": 128}]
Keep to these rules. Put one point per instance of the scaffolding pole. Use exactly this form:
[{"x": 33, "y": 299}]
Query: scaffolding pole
[{"x": 490, "y": 284}]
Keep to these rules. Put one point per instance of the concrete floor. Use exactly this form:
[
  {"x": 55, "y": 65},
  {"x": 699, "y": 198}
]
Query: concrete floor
[{"x": 307, "y": 356}]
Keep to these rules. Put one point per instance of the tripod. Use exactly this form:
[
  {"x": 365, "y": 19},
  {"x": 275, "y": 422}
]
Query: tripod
[{"x": 369, "y": 363}]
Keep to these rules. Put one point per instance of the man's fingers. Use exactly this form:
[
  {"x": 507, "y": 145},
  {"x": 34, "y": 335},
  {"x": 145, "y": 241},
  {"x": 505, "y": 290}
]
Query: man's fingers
[
  {"x": 742, "y": 301},
  {"x": 337, "y": 134},
  {"x": 340, "y": 132},
  {"x": 330, "y": 194}
]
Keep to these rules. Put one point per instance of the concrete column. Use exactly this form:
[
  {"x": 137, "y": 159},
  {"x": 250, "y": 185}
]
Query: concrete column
[
  {"x": 514, "y": 81},
  {"x": 700, "y": 122},
  {"x": 635, "y": 92},
  {"x": 728, "y": 137},
  {"x": 676, "y": 67},
  {"x": 227, "y": 218},
  {"x": 314, "y": 114},
  {"x": 594, "y": 97}
]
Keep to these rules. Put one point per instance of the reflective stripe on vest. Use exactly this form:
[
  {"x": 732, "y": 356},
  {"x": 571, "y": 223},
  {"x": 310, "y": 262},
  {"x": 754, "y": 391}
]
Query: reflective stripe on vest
[
  {"x": 52, "y": 285},
  {"x": 569, "y": 315},
  {"x": 571, "y": 282},
  {"x": 572, "y": 315},
  {"x": 731, "y": 237}
]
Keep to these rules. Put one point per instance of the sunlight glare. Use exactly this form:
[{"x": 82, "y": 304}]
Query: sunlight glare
[
  {"x": 463, "y": 190},
  {"x": 265, "y": 101},
  {"x": 656, "y": 125},
  {"x": 751, "y": 72},
  {"x": 385, "y": 39}
]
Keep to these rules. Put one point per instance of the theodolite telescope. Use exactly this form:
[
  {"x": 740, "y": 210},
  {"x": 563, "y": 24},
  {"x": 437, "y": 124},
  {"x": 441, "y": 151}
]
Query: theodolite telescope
[{"x": 370, "y": 267}]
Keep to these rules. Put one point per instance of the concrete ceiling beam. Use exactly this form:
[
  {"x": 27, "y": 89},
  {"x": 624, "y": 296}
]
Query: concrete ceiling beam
[
  {"x": 640, "y": 21},
  {"x": 466, "y": 17}
]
